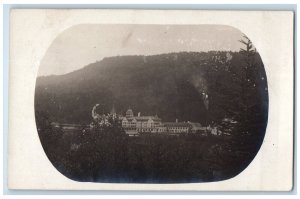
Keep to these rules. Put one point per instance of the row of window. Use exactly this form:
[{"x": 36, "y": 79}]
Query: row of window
[
  {"x": 179, "y": 128},
  {"x": 152, "y": 126},
  {"x": 139, "y": 123}
]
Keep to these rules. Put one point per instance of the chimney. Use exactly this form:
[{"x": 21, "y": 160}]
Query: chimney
[
  {"x": 139, "y": 114},
  {"x": 176, "y": 120}
]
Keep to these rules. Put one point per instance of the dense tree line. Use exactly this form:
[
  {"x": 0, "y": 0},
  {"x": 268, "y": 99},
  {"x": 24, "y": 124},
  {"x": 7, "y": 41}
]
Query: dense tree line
[{"x": 106, "y": 155}]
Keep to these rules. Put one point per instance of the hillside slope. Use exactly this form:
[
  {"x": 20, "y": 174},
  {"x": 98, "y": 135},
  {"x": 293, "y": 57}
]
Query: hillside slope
[{"x": 169, "y": 85}]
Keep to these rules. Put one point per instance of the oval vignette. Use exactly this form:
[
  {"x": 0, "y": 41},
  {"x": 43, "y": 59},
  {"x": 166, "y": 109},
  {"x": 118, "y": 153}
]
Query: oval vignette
[{"x": 151, "y": 103}]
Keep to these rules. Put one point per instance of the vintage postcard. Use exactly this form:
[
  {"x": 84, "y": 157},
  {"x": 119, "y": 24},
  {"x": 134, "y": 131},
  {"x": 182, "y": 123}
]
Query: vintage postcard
[{"x": 151, "y": 100}]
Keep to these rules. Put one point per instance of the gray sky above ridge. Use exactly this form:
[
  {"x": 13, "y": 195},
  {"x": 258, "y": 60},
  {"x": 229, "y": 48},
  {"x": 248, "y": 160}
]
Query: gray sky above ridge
[{"x": 81, "y": 45}]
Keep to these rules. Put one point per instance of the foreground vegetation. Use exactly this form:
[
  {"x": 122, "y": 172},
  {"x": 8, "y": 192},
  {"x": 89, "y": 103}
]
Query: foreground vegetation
[{"x": 109, "y": 155}]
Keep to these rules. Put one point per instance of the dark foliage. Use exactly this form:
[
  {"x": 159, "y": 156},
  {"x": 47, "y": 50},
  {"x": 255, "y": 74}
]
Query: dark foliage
[{"x": 104, "y": 156}]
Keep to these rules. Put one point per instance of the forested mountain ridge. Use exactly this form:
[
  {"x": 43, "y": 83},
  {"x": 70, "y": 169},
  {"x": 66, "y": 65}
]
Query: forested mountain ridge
[{"x": 169, "y": 85}]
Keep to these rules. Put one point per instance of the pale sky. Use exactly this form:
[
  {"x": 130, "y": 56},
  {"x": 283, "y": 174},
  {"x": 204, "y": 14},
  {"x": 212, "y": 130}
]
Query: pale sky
[{"x": 81, "y": 45}]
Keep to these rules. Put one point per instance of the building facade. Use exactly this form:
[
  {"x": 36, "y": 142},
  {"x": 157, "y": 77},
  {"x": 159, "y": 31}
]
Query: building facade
[{"x": 134, "y": 125}]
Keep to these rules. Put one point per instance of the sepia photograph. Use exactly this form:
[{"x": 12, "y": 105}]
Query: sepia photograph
[
  {"x": 150, "y": 100},
  {"x": 151, "y": 103}
]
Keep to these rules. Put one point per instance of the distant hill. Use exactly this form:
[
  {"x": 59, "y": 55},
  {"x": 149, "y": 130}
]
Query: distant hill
[{"x": 169, "y": 85}]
